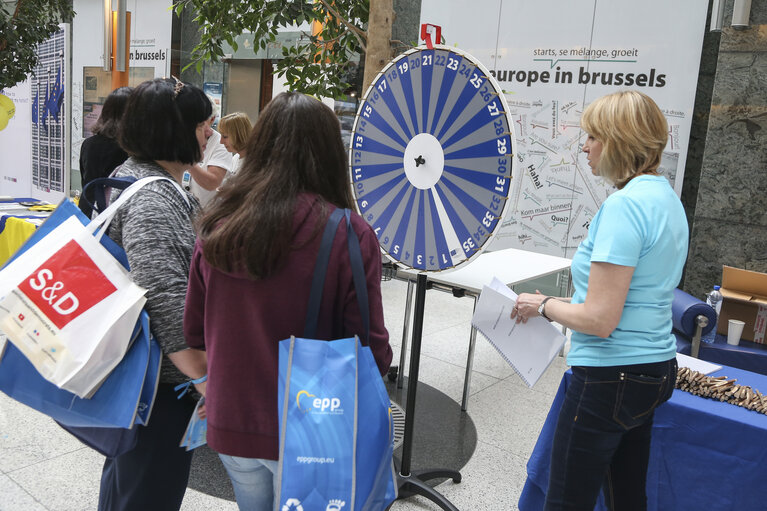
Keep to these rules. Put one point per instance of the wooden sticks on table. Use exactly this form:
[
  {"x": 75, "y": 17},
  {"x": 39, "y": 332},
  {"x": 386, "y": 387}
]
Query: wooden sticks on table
[{"x": 721, "y": 388}]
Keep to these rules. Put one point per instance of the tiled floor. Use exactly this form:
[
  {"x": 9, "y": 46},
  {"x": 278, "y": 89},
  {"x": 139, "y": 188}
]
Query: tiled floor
[{"x": 43, "y": 468}]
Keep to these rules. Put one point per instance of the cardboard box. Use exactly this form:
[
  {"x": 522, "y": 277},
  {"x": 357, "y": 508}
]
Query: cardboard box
[{"x": 745, "y": 298}]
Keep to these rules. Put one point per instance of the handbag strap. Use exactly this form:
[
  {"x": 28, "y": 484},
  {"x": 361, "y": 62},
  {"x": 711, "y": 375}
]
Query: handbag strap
[
  {"x": 321, "y": 267},
  {"x": 104, "y": 218},
  {"x": 99, "y": 186}
]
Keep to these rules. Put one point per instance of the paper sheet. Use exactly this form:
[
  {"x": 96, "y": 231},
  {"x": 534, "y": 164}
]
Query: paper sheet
[
  {"x": 528, "y": 347},
  {"x": 197, "y": 431},
  {"x": 696, "y": 364}
]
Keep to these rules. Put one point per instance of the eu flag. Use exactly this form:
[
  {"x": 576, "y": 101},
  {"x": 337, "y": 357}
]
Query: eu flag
[
  {"x": 54, "y": 101},
  {"x": 34, "y": 108}
]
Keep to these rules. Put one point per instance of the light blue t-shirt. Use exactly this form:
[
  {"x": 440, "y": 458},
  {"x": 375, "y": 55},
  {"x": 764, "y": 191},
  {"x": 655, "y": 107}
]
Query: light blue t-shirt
[{"x": 644, "y": 226}]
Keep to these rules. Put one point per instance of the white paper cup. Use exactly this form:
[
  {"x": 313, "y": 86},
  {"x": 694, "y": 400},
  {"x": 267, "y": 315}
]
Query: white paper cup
[{"x": 734, "y": 331}]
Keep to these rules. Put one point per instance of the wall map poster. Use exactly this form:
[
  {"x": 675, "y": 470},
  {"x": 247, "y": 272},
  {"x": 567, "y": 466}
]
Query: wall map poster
[{"x": 554, "y": 57}]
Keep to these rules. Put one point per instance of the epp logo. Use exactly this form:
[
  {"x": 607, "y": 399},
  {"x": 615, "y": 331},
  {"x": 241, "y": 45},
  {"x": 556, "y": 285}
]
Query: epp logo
[
  {"x": 314, "y": 403},
  {"x": 335, "y": 505}
]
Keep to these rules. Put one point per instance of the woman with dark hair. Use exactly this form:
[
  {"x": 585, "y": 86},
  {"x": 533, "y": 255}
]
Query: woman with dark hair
[
  {"x": 204, "y": 178},
  {"x": 623, "y": 354},
  {"x": 100, "y": 154},
  {"x": 164, "y": 130},
  {"x": 251, "y": 275}
]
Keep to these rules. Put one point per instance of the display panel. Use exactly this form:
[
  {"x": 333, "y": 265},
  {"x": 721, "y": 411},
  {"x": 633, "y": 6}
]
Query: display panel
[{"x": 553, "y": 58}]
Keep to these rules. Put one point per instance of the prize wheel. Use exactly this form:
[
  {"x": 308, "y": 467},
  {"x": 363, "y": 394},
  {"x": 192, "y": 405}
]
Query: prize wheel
[{"x": 431, "y": 158}]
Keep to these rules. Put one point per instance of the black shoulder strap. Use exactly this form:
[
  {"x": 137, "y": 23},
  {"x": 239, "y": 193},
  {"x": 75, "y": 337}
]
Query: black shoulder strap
[
  {"x": 100, "y": 186},
  {"x": 320, "y": 271}
]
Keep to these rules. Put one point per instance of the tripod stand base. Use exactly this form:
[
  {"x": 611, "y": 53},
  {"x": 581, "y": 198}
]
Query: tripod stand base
[{"x": 415, "y": 484}]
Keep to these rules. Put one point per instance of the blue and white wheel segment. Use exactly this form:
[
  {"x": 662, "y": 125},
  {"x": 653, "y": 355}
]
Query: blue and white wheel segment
[{"x": 431, "y": 158}]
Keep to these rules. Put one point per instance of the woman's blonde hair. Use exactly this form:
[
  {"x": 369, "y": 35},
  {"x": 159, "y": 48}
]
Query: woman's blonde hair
[
  {"x": 633, "y": 133},
  {"x": 237, "y": 127}
]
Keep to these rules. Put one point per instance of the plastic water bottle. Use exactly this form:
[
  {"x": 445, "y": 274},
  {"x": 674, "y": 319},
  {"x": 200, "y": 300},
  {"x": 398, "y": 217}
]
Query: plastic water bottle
[{"x": 714, "y": 299}]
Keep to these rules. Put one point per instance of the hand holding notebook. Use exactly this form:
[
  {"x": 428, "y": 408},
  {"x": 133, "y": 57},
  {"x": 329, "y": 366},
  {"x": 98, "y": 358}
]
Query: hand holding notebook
[{"x": 528, "y": 347}]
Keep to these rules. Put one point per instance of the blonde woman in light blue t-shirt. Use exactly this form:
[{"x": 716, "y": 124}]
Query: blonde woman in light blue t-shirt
[{"x": 622, "y": 349}]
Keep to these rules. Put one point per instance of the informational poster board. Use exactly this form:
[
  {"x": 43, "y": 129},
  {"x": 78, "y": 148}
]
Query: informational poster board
[
  {"x": 554, "y": 57},
  {"x": 149, "y": 57},
  {"x": 35, "y": 145},
  {"x": 50, "y": 118},
  {"x": 16, "y": 144}
]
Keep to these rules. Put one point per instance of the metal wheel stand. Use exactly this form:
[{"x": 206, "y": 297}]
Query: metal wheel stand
[{"x": 413, "y": 483}]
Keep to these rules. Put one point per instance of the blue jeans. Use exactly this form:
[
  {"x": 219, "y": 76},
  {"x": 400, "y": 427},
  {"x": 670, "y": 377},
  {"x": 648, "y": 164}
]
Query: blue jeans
[
  {"x": 602, "y": 440},
  {"x": 252, "y": 480}
]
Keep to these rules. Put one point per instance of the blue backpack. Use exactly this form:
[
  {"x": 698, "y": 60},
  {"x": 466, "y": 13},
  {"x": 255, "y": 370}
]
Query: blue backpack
[{"x": 100, "y": 188}]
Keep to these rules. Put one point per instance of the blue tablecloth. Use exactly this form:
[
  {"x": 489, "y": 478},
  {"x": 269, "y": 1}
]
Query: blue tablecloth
[
  {"x": 747, "y": 355},
  {"x": 705, "y": 454}
]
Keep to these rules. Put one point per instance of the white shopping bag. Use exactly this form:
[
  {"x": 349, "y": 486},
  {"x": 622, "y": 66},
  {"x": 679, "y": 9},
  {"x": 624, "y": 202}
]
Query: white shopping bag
[{"x": 69, "y": 306}]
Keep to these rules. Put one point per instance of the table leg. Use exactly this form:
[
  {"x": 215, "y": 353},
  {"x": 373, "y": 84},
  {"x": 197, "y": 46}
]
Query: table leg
[
  {"x": 469, "y": 365},
  {"x": 405, "y": 333}
]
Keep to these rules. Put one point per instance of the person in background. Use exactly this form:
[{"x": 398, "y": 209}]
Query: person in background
[
  {"x": 235, "y": 130},
  {"x": 623, "y": 354},
  {"x": 204, "y": 178},
  {"x": 164, "y": 130},
  {"x": 251, "y": 276},
  {"x": 100, "y": 154}
]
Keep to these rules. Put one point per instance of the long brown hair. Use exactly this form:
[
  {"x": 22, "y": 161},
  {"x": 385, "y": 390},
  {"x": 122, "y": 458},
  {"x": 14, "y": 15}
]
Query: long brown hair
[{"x": 295, "y": 147}]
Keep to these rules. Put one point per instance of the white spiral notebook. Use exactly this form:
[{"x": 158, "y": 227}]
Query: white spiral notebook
[{"x": 528, "y": 347}]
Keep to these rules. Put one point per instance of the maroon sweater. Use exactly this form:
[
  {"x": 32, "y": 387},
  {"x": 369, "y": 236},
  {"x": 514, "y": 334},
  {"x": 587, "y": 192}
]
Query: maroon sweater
[{"x": 240, "y": 321}]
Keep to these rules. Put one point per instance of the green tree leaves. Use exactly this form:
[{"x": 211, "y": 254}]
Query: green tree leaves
[
  {"x": 319, "y": 64},
  {"x": 23, "y": 25}
]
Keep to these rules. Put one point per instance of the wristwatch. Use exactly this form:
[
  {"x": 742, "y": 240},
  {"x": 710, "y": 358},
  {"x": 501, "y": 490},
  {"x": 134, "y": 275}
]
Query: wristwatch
[{"x": 542, "y": 307}]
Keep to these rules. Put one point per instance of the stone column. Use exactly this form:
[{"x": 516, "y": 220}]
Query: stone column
[{"x": 730, "y": 219}]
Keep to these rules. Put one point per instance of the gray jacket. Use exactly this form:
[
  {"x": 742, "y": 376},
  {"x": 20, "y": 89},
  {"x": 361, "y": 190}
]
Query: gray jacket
[{"x": 155, "y": 227}]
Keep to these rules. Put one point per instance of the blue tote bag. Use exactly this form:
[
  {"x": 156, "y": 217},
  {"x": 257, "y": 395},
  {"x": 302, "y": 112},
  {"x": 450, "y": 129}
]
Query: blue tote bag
[
  {"x": 126, "y": 396},
  {"x": 329, "y": 392}
]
